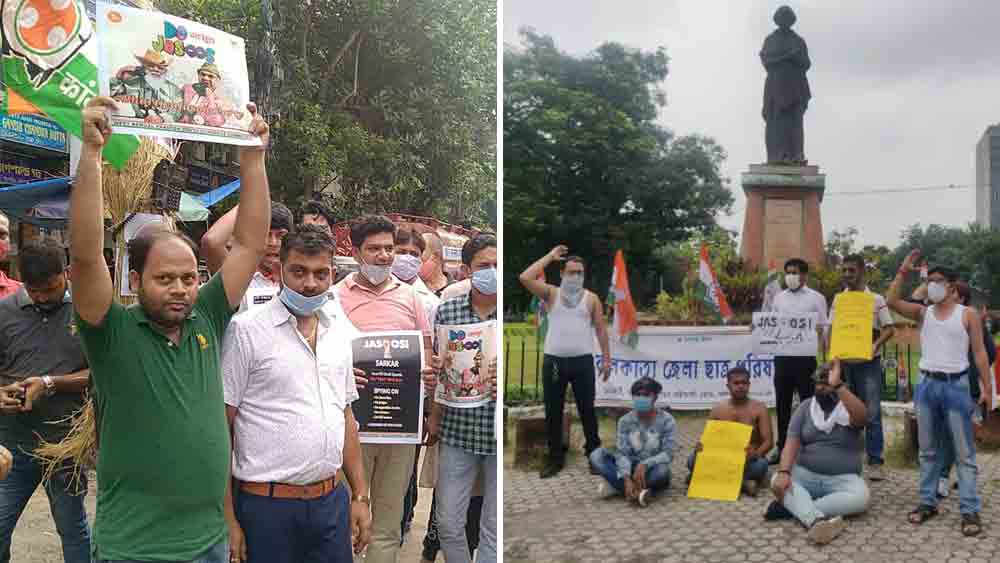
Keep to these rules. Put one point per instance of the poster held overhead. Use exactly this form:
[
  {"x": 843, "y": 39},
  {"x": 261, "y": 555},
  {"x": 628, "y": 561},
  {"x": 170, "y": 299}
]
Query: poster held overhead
[{"x": 173, "y": 77}]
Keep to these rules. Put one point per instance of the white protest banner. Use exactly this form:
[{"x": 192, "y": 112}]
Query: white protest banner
[
  {"x": 467, "y": 351},
  {"x": 173, "y": 77},
  {"x": 691, "y": 364},
  {"x": 785, "y": 334}
]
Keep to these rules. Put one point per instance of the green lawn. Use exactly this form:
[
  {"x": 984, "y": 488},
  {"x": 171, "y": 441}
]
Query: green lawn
[{"x": 523, "y": 359}]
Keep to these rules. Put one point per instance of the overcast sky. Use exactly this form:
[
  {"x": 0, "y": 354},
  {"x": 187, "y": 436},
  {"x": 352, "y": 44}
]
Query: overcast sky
[{"x": 902, "y": 91}]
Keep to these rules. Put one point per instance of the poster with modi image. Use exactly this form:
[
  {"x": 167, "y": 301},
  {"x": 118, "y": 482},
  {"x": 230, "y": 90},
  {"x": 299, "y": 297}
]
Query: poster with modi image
[{"x": 173, "y": 77}]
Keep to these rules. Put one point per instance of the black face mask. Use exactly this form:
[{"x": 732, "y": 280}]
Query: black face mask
[{"x": 828, "y": 401}]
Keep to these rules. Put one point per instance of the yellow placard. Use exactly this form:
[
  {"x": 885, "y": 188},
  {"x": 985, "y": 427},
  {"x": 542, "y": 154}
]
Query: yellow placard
[
  {"x": 718, "y": 470},
  {"x": 852, "y": 325}
]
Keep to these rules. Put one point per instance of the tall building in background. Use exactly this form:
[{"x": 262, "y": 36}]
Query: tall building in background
[{"x": 988, "y": 178}]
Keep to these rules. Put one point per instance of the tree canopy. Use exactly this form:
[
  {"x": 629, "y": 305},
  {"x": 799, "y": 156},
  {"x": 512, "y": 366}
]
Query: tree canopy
[
  {"x": 587, "y": 165},
  {"x": 381, "y": 105}
]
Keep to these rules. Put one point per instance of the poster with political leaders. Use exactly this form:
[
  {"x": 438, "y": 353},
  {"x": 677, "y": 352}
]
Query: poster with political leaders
[
  {"x": 467, "y": 352},
  {"x": 173, "y": 77},
  {"x": 390, "y": 407}
]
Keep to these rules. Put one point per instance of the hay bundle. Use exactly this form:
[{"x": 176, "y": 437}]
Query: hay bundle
[{"x": 126, "y": 191}]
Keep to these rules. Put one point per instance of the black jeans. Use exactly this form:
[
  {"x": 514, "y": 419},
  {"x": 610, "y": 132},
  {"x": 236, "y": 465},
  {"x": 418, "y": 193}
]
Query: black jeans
[
  {"x": 791, "y": 374},
  {"x": 579, "y": 372}
]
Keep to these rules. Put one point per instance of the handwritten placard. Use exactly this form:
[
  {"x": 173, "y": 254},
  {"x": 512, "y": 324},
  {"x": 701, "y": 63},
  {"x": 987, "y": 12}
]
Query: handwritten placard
[
  {"x": 718, "y": 470},
  {"x": 852, "y": 326},
  {"x": 784, "y": 334}
]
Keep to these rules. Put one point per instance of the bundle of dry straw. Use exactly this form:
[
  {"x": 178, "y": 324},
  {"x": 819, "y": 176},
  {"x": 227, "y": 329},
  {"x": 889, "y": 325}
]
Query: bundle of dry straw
[{"x": 126, "y": 191}]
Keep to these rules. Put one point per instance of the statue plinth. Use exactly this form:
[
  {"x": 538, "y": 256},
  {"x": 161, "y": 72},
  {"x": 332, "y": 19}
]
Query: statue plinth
[{"x": 782, "y": 219}]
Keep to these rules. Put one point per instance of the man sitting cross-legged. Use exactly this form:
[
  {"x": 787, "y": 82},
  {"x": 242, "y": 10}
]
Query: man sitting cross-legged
[
  {"x": 641, "y": 464},
  {"x": 741, "y": 408},
  {"x": 819, "y": 476}
]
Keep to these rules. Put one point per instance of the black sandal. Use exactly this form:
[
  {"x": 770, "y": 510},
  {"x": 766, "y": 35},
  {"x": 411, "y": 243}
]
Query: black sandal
[
  {"x": 971, "y": 526},
  {"x": 923, "y": 514}
]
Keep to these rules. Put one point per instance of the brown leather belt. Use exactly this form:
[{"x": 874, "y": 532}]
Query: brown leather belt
[{"x": 281, "y": 490}]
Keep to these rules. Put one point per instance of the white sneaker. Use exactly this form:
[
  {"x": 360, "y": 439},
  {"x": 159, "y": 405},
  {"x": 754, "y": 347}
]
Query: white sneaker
[
  {"x": 604, "y": 489},
  {"x": 942, "y": 488},
  {"x": 824, "y": 531},
  {"x": 644, "y": 498}
]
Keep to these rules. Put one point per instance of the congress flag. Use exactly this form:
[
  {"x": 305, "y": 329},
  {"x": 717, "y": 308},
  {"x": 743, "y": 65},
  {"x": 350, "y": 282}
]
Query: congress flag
[{"x": 626, "y": 322}]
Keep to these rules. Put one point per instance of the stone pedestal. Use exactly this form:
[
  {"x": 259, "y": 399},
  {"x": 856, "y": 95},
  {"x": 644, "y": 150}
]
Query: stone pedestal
[{"x": 782, "y": 218}]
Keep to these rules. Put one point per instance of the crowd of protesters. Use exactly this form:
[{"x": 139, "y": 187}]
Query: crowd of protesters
[{"x": 223, "y": 414}]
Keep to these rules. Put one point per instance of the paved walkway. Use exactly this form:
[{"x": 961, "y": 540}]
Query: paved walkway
[{"x": 562, "y": 519}]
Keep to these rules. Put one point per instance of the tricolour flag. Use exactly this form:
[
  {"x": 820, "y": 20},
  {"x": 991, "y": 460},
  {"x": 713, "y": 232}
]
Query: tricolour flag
[
  {"x": 709, "y": 290},
  {"x": 773, "y": 287},
  {"x": 48, "y": 66},
  {"x": 626, "y": 323}
]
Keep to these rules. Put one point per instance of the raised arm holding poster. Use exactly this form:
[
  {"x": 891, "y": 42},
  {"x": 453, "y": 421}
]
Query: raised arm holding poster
[
  {"x": 851, "y": 338},
  {"x": 173, "y": 77},
  {"x": 389, "y": 409},
  {"x": 467, "y": 351}
]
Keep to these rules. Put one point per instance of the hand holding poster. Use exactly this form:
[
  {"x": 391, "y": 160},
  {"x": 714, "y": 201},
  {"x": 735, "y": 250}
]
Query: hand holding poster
[
  {"x": 785, "y": 334},
  {"x": 718, "y": 471},
  {"x": 852, "y": 326},
  {"x": 173, "y": 77},
  {"x": 467, "y": 351},
  {"x": 390, "y": 408}
]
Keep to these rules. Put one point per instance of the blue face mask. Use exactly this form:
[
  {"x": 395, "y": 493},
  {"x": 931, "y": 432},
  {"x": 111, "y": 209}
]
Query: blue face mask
[
  {"x": 300, "y": 305},
  {"x": 642, "y": 403},
  {"x": 485, "y": 281}
]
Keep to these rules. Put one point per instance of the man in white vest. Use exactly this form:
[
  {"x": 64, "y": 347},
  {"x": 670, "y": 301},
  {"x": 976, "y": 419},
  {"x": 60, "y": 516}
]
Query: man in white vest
[
  {"x": 942, "y": 401},
  {"x": 575, "y": 316}
]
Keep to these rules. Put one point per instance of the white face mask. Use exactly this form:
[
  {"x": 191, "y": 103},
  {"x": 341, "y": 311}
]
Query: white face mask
[
  {"x": 936, "y": 292},
  {"x": 793, "y": 281}
]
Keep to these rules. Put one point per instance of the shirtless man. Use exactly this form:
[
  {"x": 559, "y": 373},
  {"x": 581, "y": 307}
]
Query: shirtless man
[{"x": 741, "y": 408}]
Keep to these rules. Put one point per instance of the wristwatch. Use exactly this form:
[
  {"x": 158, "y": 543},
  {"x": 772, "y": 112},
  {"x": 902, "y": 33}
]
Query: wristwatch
[
  {"x": 361, "y": 498},
  {"x": 50, "y": 386}
]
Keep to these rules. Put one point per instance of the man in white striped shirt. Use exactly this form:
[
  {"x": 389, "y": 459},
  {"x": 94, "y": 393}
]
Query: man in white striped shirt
[{"x": 289, "y": 382}]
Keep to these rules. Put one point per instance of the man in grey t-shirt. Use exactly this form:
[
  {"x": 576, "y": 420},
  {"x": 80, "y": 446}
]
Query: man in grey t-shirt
[
  {"x": 43, "y": 373},
  {"x": 818, "y": 479}
]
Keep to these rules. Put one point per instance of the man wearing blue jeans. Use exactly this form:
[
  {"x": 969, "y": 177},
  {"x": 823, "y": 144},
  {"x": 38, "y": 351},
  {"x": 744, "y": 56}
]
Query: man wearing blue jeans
[
  {"x": 865, "y": 377},
  {"x": 744, "y": 410},
  {"x": 943, "y": 403},
  {"x": 640, "y": 466},
  {"x": 468, "y": 436},
  {"x": 819, "y": 475},
  {"x": 44, "y": 375}
]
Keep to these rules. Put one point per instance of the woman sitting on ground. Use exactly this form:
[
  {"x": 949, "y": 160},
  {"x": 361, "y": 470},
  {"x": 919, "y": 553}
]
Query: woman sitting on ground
[
  {"x": 819, "y": 477},
  {"x": 641, "y": 465}
]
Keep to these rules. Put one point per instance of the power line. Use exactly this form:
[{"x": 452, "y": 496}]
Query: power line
[{"x": 903, "y": 190}]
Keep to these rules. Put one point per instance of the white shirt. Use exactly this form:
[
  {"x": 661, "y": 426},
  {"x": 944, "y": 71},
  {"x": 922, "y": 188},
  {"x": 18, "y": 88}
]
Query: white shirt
[
  {"x": 456, "y": 289},
  {"x": 290, "y": 424},
  {"x": 427, "y": 298},
  {"x": 260, "y": 291},
  {"x": 805, "y": 300}
]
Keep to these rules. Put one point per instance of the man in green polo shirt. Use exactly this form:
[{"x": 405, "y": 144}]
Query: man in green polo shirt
[{"x": 163, "y": 459}]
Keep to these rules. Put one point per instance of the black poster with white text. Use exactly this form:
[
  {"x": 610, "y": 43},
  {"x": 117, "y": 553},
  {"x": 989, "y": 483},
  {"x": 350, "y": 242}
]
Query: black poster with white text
[{"x": 390, "y": 407}]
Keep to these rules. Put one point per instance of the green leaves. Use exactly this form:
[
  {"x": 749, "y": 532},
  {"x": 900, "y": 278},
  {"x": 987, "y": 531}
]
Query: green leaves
[
  {"x": 385, "y": 105},
  {"x": 585, "y": 163}
]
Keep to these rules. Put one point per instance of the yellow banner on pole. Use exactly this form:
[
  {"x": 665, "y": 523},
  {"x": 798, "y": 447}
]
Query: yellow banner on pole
[
  {"x": 718, "y": 470},
  {"x": 852, "y": 325}
]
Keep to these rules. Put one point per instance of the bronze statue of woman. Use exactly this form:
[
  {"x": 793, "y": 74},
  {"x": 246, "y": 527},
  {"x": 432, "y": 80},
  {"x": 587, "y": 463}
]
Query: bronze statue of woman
[{"x": 786, "y": 91}]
